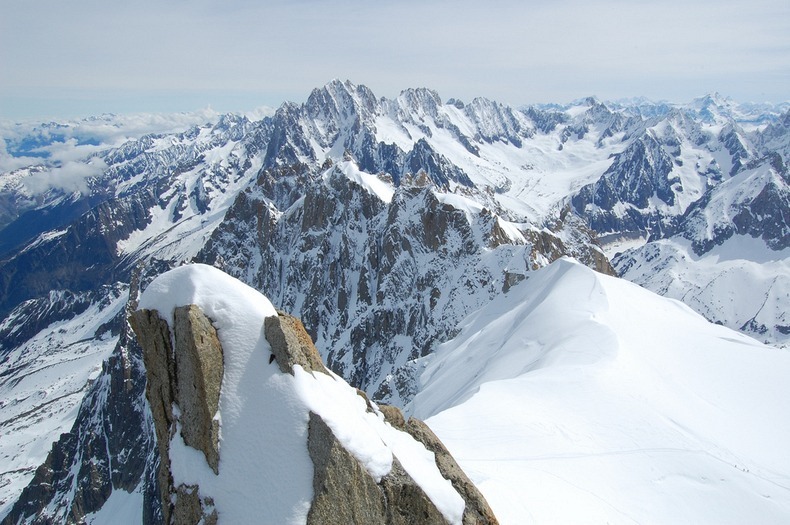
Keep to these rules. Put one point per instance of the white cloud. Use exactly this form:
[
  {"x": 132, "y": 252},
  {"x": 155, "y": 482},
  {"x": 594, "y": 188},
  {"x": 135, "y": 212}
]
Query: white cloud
[
  {"x": 67, "y": 148},
  {"x": 69, "y": 151},
  {"x": 70, "y": 148},
  {"x": 70, "y": 177},
  {"x": 10, "y": 163}
]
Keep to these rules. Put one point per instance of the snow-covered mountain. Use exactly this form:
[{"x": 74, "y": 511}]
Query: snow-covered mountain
[
  {"x": 729, "y": 255},
  {"x": 381, "y": 223},
  {"x": 580, "y": 398}
]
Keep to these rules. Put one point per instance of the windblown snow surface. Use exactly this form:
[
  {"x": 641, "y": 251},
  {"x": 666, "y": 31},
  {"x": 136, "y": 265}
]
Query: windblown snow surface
[
  {"x": 265, "y": 473},
  {"x": 581, "y": 398}
]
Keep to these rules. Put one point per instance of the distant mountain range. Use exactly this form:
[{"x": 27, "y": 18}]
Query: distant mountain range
[{"x": 381, "y": 223}]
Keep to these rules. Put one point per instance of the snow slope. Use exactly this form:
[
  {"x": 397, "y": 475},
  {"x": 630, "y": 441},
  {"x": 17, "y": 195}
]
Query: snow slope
[
  {"x": 730, "y": 257},
  {"x": 265, "y": 472},
  {"x": 741, "y": 283},
  {"x": 43, "y": 382},
  {"x": 580, "y": 398}
]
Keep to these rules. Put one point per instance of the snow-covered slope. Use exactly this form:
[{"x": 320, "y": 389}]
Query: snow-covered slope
[
  {"x": 581, "y": 398},
  {"x": 741, "y": 283},
  {"x": 43, "y": 380}
]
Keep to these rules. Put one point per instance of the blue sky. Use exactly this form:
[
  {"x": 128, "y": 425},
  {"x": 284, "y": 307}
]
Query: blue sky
[{"x": 82, "y": 57}]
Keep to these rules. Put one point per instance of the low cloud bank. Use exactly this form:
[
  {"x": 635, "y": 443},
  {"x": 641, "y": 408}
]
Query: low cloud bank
[{"x": 70, "y": 176}]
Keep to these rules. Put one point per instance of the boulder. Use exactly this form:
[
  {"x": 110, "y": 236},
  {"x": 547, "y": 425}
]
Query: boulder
[{"x": 291, "y": 344}]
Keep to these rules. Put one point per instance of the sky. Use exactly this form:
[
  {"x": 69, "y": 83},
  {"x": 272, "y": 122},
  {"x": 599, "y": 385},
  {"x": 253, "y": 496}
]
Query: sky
[{"x": 87, "y": 57}]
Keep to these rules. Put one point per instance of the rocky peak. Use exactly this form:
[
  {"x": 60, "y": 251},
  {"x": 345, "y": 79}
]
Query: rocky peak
[
  {"x": 752, "y": 203},
  {"x": 497, "y": 122},
  {"x": 291, "y": 344},
  {"x": 732, "y": 138},
  {"x": 234, "y": 127},
  {"x": 421, "y": 102},
  {"x": 186, "y": 390},
  {"x": 183, "y": 391},
  {"x": 341, "y": 99},
  {"x": 711, "y": 107},
  {"x": 424, "y": 158},
  {"x": 642, "y": 172},
  {"x": 776, "y": 137},
  {"x": 545, "y": 120}
]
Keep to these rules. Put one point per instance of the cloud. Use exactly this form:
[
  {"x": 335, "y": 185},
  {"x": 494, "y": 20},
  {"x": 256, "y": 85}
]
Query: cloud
[
  {"x": 67, "y": 150},
  {"x": 65, "y": 153},
  {"x": 113, "y": 130},
  {"x": 10, "y": 163},
  {"x": 70, "y": 177},
  {"x": 67, "y": 147}
]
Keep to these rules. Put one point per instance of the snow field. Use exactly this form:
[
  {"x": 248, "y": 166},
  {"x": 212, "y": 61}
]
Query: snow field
[
  {"x": 736, "y": 282},
  {"x": 566, "y": 404},
  {"x": 42, "y": 388}
]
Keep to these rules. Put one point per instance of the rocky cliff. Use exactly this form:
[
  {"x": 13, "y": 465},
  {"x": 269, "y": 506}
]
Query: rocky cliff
[
  {"x": 188, "y": 394},
  {"x": 387, "y": 271},
  {"x": 110, "y": 449}
]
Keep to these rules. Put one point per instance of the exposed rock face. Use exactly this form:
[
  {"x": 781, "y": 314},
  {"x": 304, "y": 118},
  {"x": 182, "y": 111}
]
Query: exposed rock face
[
  {"x": 154, "y": 336},
  {"x": 750, "y": 207},
  {"x": 640, "y": 172},
  {"x": 189, "y": 508},
  {"x": 80, "y": 258},
  {"x": 406, "y": 501},
  {"x": 189, "y": 376},
  {"x": 343, "y": 491},
  {"x": 757, "y": 208},
  {"x": 393, "y": 416},
  {"x": 199, "y": 370},
  {"x": 291, "y": 344},
  {"x": 477, "y": 510},
  {"x": 389, "y": 278},
  {"x": 109, "y": 448},
  {"x": 649, "y": 185}
]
